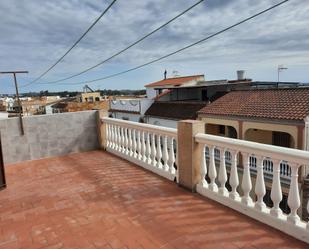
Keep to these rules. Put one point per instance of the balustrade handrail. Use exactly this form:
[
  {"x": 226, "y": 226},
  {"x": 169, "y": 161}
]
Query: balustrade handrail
[
  {"x": 143, "y": 127},
  {"x": 293, "y": 155}
]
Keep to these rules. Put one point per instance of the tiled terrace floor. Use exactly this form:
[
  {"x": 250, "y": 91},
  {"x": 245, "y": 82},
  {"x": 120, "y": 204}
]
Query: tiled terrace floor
[{"x": 96, "y": 200}]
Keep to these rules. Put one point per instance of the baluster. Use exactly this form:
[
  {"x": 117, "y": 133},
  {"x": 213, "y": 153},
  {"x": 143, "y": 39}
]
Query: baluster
[
  {"x": 110, "y": 136},
  {"x": 123, "y": 142},
  {"x": 139, "y": 145},
  {"x": 126, "y": 141},
  {"x": 222, "y": 177},
  {"x": 171, "y": 157},
  {"x": 234, "y": 181},
  {"x": 107, "y": 135},
  {"x": 246, "y": 181},
  {"x": 116, "y": 137},
  {"x": 130, "y": 143},
  {"x": 148, "y": 149},
  {"x": 293, "y": 198},
  {"x": 119, "y": 138},
  {"x": 153, "y": 150},
  {"x": 276, "y": 193},
  {"x": 203, "y": 168},
  {"x": 165, "y": 154},
  {"x": 260, "y": 190},
  {"x": 134, "y": 143},
  {"x": 212, "y": 170},
  {"x": 159, "y": 152},
  {"x": 143, "y": 151}
]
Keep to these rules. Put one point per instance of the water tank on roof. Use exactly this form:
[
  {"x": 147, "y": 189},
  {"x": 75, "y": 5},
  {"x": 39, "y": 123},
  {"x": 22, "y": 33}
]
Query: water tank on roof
[{"x": 241, "y": 74}]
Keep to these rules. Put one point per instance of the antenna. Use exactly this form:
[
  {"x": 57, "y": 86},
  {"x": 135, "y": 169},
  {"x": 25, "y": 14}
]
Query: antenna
[{"x": 280, "y": 69}]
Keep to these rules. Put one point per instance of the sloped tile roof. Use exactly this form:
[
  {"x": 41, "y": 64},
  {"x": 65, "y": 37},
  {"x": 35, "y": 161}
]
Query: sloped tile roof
[
  {"x": 174, "y": 81},
  {"x": 282, "y": 104},
  {"x": 175, "y": 110}
]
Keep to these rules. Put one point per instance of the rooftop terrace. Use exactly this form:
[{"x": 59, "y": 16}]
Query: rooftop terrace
[
  {"x": 63, "y": 192},
  {"x": 98, "y": 200}
]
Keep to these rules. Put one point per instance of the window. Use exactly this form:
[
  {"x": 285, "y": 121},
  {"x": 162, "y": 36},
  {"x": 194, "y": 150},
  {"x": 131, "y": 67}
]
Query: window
[
  {"x": 97, "y": 99},
  {"x": 222, "y": 129},
  {"x": 125, "y": 118},
  {"x": 90, "y": 99}
]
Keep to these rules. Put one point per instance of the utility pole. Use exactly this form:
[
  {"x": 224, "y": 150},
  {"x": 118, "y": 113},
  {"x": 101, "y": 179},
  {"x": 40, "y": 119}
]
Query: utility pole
[{"x": 17, "y": 96}]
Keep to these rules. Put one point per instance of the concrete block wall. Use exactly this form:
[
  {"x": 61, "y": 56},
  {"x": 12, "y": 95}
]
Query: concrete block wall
[{"x": 48, "y": 136}]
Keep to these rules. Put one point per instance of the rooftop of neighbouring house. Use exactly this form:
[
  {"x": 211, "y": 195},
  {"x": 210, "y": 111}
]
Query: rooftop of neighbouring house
[
  {"x": 97, "y": 200},
  {"x": 281, "y": 104},
  {"x": 176, "y": 81},
  {"x": 175, "y": 109}
]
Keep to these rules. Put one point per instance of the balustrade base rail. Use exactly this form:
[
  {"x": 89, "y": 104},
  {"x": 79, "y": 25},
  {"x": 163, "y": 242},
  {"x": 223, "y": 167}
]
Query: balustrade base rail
[{"x": 297, "y": 230}]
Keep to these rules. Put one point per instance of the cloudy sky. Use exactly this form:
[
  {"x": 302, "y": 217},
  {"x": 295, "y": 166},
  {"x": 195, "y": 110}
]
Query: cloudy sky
[{"x": 35, "y": 33}]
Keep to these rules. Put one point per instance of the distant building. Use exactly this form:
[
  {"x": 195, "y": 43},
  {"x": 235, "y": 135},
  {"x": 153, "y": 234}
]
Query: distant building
[
  {"x": 177, "y": 97},
  {"x": 71, "y": 105},
  {"x": 132, "y": 109},
  {"x": 156, "y": 88},
  {"x": 88, "y": 95}
]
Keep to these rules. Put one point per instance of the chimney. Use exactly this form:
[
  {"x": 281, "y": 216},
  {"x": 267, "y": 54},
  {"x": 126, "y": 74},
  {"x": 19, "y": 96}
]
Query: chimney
[
  {"x": 240, "y": 74},
  {"x": 165, "y": 73}
]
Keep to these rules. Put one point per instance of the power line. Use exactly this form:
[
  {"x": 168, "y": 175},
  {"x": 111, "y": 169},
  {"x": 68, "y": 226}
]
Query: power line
[
  {"x": 128, "y": 47},
  {"x": 68, "y": 51},
  {"x": 182, "y": 49}
]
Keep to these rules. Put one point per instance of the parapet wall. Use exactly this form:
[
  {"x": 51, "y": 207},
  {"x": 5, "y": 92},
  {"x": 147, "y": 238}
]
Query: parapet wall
[{"x": 48, "y": 136}]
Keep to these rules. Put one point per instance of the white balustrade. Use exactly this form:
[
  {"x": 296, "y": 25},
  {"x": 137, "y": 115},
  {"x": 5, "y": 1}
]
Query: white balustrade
[
  {"x": 276, "y": 192},
  {"x": 171, "y": 157},
  {"x": 294, "y": 199},
  {"x": 246, "y": 184},
  {"x": 134, "y": 143},
  {"x": 260, "y": 162},
  {"x": 148, "y": 149},
  {"x": 165, "y": 154},
  {"x": 143, "y": 148},
  {"x": 247, "y": 171},
  {"x": 130, "y": 142},
  {"x": 234, "y": 181},
  {"x": 222, "y": 177},
  {"x": 153, "y": 150},
  {"x": 212, "y": 172},
  {"x": 203, "y": 168},
  {"x": 149, "y": 146},
  {"x": 260, "y": 189},
  {"x": 139, "y": 145},
  {"x": 159, "y": 152}
]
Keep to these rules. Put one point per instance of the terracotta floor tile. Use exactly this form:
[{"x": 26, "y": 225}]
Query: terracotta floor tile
[{"x": 96, "y": 200}]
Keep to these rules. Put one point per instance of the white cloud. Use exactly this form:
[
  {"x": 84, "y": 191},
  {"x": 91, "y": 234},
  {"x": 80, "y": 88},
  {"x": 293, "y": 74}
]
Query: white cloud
[{"x": 34, "y": 34}]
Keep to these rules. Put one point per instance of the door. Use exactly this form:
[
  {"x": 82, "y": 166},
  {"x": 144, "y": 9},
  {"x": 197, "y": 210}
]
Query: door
[
  {"x": 204, "y": 95},
  {"x": 2, "y": 174}
]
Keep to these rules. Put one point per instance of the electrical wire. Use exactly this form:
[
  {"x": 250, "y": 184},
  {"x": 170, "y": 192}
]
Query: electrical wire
[
  {"x": 128, "y": 47},
  {"x": 179, "y": 50},
  {"x": 74, "y": 45}
]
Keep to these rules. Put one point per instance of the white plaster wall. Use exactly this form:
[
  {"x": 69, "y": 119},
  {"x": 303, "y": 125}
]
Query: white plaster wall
[
  {"x": 126, "y": 116},
  {"x": 151, "y": 93},
  {"x": 162, "y": 122}
]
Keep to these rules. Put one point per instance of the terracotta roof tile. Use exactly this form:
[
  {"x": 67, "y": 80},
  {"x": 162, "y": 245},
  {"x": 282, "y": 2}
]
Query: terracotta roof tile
[
  {"x": 174, "y": 81},
  {"x": 287, "y": 104}
]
